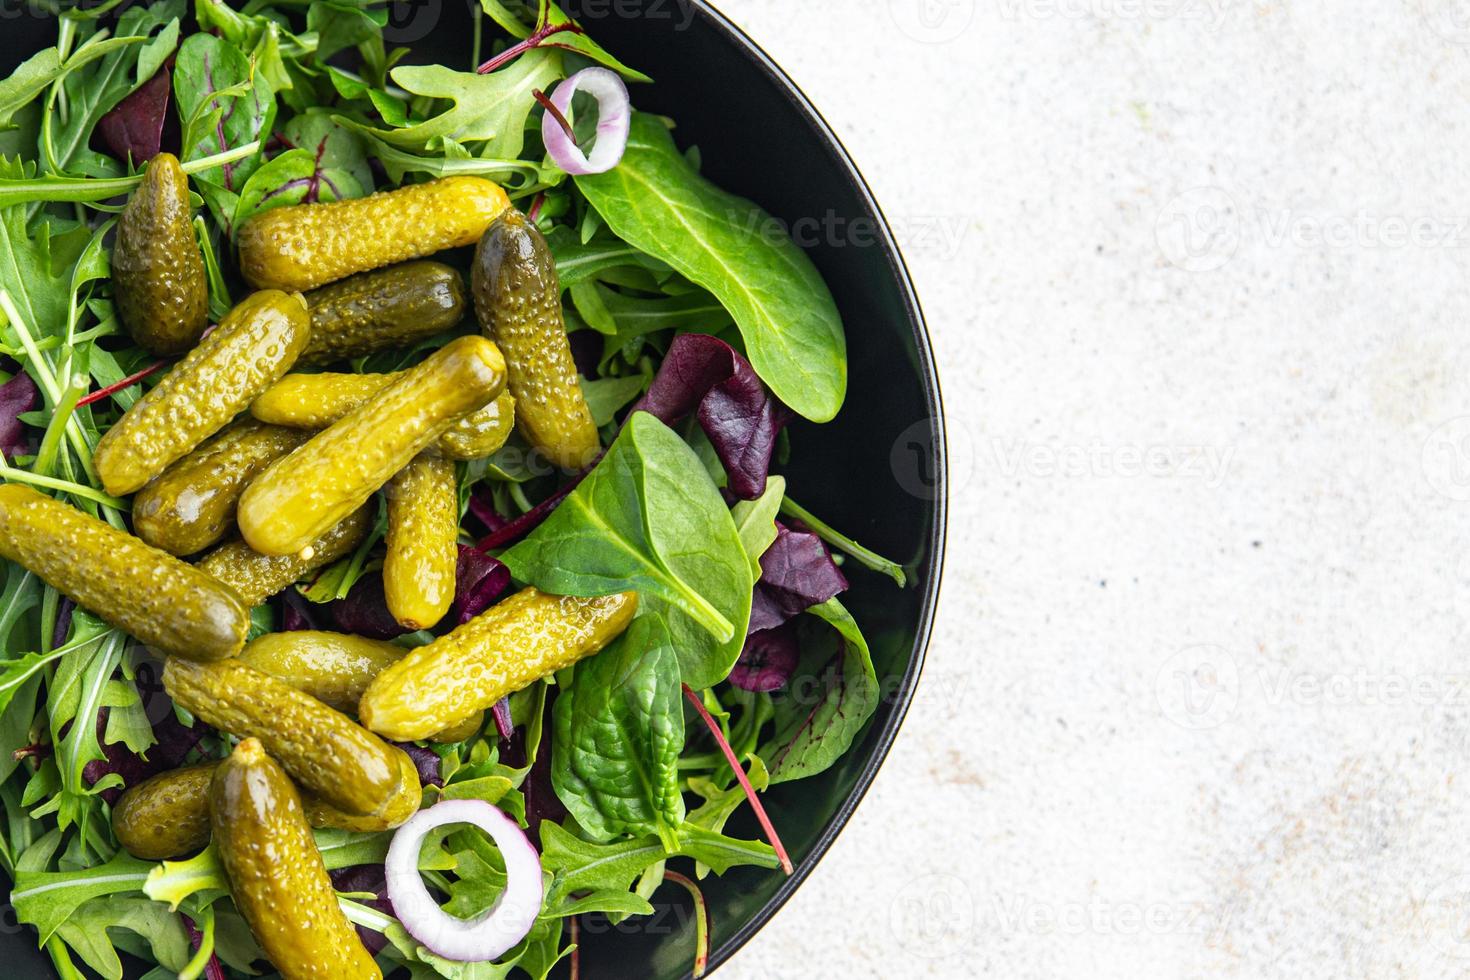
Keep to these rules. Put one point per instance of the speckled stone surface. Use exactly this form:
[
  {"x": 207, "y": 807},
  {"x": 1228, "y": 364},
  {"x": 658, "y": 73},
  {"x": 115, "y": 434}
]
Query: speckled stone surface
[{"x": 1199, "y": 697}]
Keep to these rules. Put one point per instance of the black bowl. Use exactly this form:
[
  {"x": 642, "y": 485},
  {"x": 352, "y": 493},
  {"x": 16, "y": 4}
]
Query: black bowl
[{"x": 877, "y": 471}]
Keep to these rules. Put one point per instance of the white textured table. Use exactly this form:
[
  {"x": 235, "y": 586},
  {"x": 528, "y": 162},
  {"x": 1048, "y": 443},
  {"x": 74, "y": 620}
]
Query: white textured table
[{"x": 1199, "y": 698}]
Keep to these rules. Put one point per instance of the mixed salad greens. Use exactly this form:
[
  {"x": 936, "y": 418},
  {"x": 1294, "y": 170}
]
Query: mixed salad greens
[{"x": 697, "y": 336}]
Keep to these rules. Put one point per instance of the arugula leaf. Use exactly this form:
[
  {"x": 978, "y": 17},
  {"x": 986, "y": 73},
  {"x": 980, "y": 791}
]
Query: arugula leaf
[
  {"x": 793, "y": 333},
  {"x": 27, "y": 82},
  {"x": 649, "y": 518},
  {"x": 551, "y": 17},
  {"x": 619, "y": 732},
  {"x": 46, "y": 899},
  {"x": 343, "y": 25},
  {"x": 27, "y": 271},
  {"x": 814, "y": 730},
  {"x": 489, "y": 109},
  {"x": 86, "y": 931}
]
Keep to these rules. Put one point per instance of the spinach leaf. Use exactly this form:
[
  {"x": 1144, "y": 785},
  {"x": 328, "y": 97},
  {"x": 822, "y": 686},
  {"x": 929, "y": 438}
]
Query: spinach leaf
[
  {"x": 815, "y": 725},
  {"x": 607, "y": 396},
  {"x": 649, "y": 518},
  {"x": 793, "y": 334},
  {"x": 755, "y": 520},
  {"x": 224, "y": 103},
  {"x": 619, "y": 732}
]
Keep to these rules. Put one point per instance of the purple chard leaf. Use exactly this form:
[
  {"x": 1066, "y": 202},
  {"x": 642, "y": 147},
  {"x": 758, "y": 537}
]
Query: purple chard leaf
[
  {"x": 479, "y": 581},
  {"x": 133, "y": 129},
  {"x": 797, "y": 572},
  {"x": 17, "y": 396},
  {"x": 768, "y": 660}
]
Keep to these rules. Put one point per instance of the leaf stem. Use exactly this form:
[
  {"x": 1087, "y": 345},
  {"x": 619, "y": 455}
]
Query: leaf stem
[
  {"x": 701, "y": 921},
  {"x": 521, "y": 47},
  {"x": 46, "y": 377},
  {"x": 50, "y": 483},
  {"x": 90, "y": 189},
  {"x": 205, "y": 953},
  {"x": 844, "y": 544},
  {"x": 60, "y": 418},
  {"x": 755, "y": 803}
]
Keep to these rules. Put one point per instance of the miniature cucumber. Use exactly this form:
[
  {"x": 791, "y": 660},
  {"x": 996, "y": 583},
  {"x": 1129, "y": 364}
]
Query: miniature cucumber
[
  {"x": 315, "y": 401},
  {"x": 148, "y": 593},
  {"x": 310, "y": 245},
  {"x": 373, "y": 311},
  {"x": 253, "y": 346},
  {"x": 256, "y": 577},
  {"x": 324, "y": 750},
  {"x": 157, "y": 271},
  {"x": 320, "y": 813},
  {"x": 276, "y": 874},
  {"x": 301, "y": 496},
  {"x": 508, "y": 647},
  {"x": 166, "y": 816},
  {"x": 518, "y": 301},
  {"x": 423, "y": 542},
  {"x": 192, "y": 505}
]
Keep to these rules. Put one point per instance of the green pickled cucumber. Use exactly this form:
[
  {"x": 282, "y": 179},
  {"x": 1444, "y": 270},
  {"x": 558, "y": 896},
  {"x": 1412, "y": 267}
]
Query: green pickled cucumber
[
  {"x": 315, "y": 401},
  {"x": 422, "y": 541},
  {"x": 310, "y": 245},
  {"x": 276, "y": 873},
  {"x": 373, "y": 311},
  {"x": 256, "y": 577},
  {"x": 192, "y": 505},
  {"x": 157, "y": 271},
  {"x": 320, "y": 813},
  {"x": 336, "y": 668},
  {"x": 518, "y": 301},
  {"x": 166, "y": 816},
  {"x": 148, "y": 593},
  {"x": 301, "y": 496},
  {"x": 324, "y": 750},
  {"x": 508, "y": 647},
  {"x": 253, "y": 346}
]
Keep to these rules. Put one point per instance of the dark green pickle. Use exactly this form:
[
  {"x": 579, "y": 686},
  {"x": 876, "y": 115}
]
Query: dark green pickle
[
  {"x": 166, "y": 816},
  {"x": 276, "y": 873},
  {"x": 162, "y": 601},
  {"x": 373, "y": 311},
  {"x": 157, "y": 272},
  {"x": 192, "y": 505}
]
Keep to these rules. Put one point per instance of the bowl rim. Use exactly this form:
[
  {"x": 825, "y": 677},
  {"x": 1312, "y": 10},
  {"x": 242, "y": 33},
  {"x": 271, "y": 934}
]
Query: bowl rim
[{"x": 934, "y": 565}]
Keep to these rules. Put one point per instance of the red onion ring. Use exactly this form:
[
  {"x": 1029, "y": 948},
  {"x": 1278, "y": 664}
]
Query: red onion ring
[
  {"x": 614, "y": 120},
  {"x": 489, "y": 935}
]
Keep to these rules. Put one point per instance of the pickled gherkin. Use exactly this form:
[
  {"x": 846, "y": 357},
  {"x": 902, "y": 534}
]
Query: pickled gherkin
[
  {"x": 518, "y": 301},
  {"x": 372, "y": 311},
  {"x": 157, "y": 272},
  {"x": 510, "y": 646},
  {"x": 276, "y": 874},
  {"x": 336, "y": 668},
  {"x": 256, "y": 577},
  {"x": 148, "y": 593},
  {"x": 320, "y": 813},
  {"x": 166, "y": 816},
  {"x": 192, "y": 505},
  {"x": 324, "y": 750},
  {"x": 423, "y": 542},
  {"x": 301, "y": 496},
  {"x": 309, "y": 245},
  {"x": 253, "y": 346},
  {"x": 315, "y": 401}
]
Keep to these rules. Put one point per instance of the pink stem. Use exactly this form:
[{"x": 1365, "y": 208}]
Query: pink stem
[
  {"x": 534, "y": 41},
  {"x": 701, "y": 927},
  {"x": 755, "y": 803},
  {"x": 127, "y": 382}
]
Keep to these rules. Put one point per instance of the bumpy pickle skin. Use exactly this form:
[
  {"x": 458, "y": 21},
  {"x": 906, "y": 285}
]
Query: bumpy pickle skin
[
  {"x": 518, "y": 301},
  {"x": 324, "y": 750},
  {"x": 336, "y": 668},
  {"x": 320, "y": 813},
  {"x": 143, "y": 591},
  {"x": 309, "y": 245},
  {"x": 372, "y": 311},
  {"x": 166, "y": 816},
  {"x": 301, "y": 496},
  {"x": 315, "y": 401},
  {"x": 253, "y": 346},
  {"x": 192, "y": 505},
  {"x": 506, "y": 648},
  {"x": 256, "y": 577},
  {"x": 422, "y": 542},
  {"x": 157, "y": 271},
  {"x": 276, "y": 874}
]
